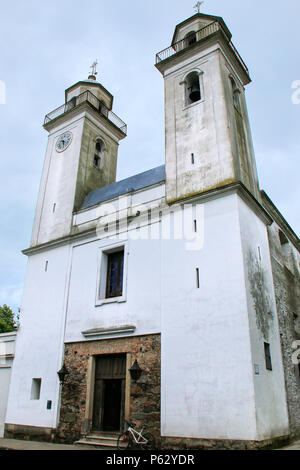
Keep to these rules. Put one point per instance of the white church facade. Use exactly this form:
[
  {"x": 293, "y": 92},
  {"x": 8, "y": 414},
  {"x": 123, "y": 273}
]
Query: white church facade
[{"x": 187, "y": 270}]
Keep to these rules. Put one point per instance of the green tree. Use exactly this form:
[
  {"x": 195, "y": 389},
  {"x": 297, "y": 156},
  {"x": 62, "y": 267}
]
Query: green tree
[{"x": 7, "y": 320}]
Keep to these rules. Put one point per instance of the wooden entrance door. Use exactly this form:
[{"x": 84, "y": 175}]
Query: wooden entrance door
[{"x": 109, "y": 394}]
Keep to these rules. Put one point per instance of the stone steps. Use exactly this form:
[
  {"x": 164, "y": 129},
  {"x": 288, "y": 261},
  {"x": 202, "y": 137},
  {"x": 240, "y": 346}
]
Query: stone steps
[{"x": 101, "y": 440}]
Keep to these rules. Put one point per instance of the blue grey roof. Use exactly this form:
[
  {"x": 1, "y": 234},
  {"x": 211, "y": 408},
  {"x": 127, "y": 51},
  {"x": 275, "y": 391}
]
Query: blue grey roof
[{"x": 133, "y": 183}]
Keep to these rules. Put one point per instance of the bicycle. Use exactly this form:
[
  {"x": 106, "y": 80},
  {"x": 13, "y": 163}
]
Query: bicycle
[{"x": 133, "y": 438}]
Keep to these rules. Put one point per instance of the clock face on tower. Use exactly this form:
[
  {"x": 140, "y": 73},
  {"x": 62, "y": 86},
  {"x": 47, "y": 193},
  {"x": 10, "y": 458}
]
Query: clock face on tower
[{"x": 64, "y": 141}]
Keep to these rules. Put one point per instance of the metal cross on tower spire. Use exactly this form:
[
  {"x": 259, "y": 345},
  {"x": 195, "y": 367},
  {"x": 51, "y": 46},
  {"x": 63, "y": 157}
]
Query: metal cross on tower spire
[
  {"x": 94, "y": 72},
  {"x": 93, "y": 68},
  {"x": 198, "y": 6}
]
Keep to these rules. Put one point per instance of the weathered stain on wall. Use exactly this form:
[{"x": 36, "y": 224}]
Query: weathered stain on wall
[
  {"x": 260, "y": 295},
  {"x": 90, "y": 177}
]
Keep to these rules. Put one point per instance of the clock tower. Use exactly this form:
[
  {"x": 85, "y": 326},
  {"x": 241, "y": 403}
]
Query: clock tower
[{"x": 81, "y": 156}]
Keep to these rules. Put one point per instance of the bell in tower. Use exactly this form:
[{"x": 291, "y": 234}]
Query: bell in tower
[{"x": 193, "y": 87}]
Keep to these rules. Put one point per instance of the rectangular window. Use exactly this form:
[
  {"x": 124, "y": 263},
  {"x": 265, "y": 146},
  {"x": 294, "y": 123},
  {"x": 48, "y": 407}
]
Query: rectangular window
[
  {"x": 36, "y": 389},
  {"x": 268, "y": 356},
  {"x": 259, "y": 253},
  {"x": 111, "y": 278},
  {"x": 197, "y": 278},
  {"x": 114, "y": 280}
]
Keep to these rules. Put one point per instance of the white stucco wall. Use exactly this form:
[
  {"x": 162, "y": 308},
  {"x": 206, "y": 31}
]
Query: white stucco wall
[
  {"x": 207, "y": 386},
  {"x": 270, "y": 395},
  {"x": 57, "y": 185},
  {"x": 141, "y": 305},
  {"x": 7, "y": 350},
  {"x": 141, "y": 302},
  {"x": 40, "y": 338}
]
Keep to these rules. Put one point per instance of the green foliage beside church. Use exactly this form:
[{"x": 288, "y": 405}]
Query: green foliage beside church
[{"x": 7, "y": 320}]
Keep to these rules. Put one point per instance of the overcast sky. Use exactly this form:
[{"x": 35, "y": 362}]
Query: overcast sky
[{"x": 48, "y": 46}]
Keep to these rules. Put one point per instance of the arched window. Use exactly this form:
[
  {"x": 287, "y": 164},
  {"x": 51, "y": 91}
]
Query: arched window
[
  {"x": 190, "y": 38},
  {"x": 235, "y": 95},
  {"x": 99, "y": 153},
  {"x": 100, "y": 145},
  {"x": 240, "y": 132},
  {"x": 192, "y": 88}
]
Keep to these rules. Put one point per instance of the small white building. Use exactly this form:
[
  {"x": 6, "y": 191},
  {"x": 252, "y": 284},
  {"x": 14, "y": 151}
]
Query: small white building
[
  {"x": 7, "y": 352},
  {"x": 172, "y": 268}
]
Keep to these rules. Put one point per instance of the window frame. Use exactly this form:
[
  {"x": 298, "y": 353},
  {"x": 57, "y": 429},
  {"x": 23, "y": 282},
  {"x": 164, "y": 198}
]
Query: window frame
[
  {"x": 99, "y": 152},
  {"x": 268, "y": 356},
  {"x": 190, "y": 81},
  {"x": 102, "y": 274},
  {"x": 36, "y": 385},
  {"x": 119, "y": 259}
]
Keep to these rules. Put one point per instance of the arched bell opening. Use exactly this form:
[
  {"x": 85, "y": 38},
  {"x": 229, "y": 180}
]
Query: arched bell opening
[
  {"x": 190, "y": 38},
  {"x": 235, "y": 95},
  {"x": 192, "y": 88},
  {"x": 99, "y": 153}
]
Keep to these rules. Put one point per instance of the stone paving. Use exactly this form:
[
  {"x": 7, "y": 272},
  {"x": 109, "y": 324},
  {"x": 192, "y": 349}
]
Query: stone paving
[
  {"x": 294, "y": 446},
  {"x": 13, "y": 444}
]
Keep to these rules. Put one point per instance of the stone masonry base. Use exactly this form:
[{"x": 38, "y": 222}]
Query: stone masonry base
[
  {"x": 142, "y": 397},
  {"x": 179, "y": 443},
  {"x": 29, "y": 433},
  {"x": 32, "y": 433}
]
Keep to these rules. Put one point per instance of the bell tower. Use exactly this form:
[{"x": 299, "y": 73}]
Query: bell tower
[
  {"x": 81, "y": 156},
  {"x": 208, "y": 141}
]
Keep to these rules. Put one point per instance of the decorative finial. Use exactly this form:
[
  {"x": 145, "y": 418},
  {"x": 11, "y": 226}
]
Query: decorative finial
[
  {"x": 198, "y": 6},
  {"x": 94, "y": 72}
]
